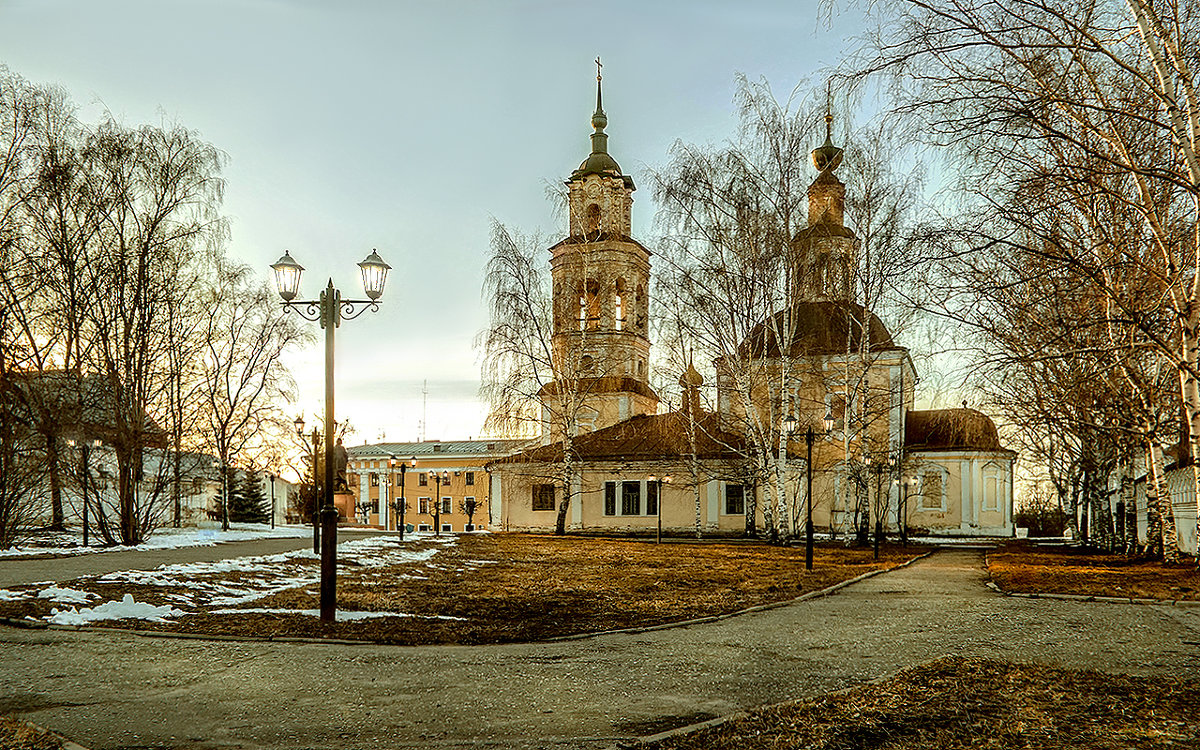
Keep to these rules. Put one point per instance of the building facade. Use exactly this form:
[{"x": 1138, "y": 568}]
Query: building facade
[{"x": 444, "y": 485}]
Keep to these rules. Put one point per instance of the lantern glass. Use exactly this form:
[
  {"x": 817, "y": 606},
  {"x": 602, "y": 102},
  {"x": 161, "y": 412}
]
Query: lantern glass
[
  {"x": 828, "y": 420},
  {"x": 374, "y": 275},
  {"x": 299, "y": 425},
  {"x": 287, "y": 276}
]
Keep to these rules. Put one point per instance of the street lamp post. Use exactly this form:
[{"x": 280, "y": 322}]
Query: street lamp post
[
  {"x": 809, "y": 437},
  {"x": 316, "y": 515},
  {"x": 438, "y": 481},
  {"x": 400, "y": 502},
  {"x": 330, "y": 309},
  {"x": 272, "y": 476},
  {"x": 85, "y": 448},
  {"x": 880, "y": 467},
  {"x": 902, "y": 521},
  {"x": 658, "y": 502}
]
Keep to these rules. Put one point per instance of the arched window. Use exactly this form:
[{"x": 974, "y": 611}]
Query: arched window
[
  {"x": 590, "y": 302},
  {"x": 639, "y": 307},
  {"x": 619, "y": 305},
  {"x": 587, "y": 363},
  {"x": 591, "y": 219}
]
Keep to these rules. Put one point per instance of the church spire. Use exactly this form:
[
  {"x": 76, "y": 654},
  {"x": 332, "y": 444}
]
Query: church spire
[
  {"x": 599, "y": 161},
  {"x": 827, "y": 156}
]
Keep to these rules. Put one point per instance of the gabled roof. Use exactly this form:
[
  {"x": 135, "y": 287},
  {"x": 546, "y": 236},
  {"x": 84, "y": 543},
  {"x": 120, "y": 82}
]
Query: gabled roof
[{"x": 647, "y": 437}]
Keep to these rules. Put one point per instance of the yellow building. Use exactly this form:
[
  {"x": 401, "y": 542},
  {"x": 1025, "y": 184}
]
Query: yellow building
[
  {"x": 624, "y": 467},
  {"x": 445, "y": 485}
]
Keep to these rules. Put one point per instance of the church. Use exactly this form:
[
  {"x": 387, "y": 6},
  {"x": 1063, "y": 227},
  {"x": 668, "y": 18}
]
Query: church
[{"x": 843, "y": 447}]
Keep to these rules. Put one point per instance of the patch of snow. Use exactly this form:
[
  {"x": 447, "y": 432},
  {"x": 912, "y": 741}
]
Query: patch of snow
[
  {"x": 342, "y": 615},
  {"x": 13, "y": 596},
  {"x": 65, "y": 596},
  {"x": 127, "y": 608}
]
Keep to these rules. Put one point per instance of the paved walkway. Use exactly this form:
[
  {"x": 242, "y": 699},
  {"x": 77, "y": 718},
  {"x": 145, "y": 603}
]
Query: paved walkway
[
  {"x": 18, "y": 571},
  {"x": 111, "y": 690}
]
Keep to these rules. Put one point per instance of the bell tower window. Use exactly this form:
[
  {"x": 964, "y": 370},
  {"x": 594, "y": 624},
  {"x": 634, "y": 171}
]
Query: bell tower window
[{"x": 591, "y": 219}]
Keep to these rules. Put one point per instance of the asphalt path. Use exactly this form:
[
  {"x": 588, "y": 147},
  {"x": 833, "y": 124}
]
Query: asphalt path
[
  {"x": 25, "y": 570},
  {"x": 109, "y": 690}
]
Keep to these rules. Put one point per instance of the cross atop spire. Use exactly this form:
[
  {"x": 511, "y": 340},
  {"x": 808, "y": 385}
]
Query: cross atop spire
[{"x": 599, "y": 119}]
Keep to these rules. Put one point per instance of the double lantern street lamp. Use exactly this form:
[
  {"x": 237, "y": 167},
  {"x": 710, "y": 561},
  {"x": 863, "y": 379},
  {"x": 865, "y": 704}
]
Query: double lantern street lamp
[
  {"x": 438, "y": 481},
  {"x": 392, "y": 463},
  {"x": 330, "y": 309},
  {"x": 810, "y": 437}
]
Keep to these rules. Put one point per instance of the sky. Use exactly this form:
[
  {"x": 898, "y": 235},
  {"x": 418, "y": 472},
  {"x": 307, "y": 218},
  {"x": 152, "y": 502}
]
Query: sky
[{"x": 407, "y": 126}]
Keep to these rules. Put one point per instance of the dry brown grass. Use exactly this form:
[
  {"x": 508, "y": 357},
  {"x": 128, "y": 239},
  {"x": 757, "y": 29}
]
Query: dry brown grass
[
  {"x": 518, "y": 587},
  {"x": 1022, "y": 567},
  {"x": 973, "y": 703},
  {"x": 20, "y": 735}
]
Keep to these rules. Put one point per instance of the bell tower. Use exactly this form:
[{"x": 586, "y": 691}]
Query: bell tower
[
  {"x": 823, "y": 253},
  {"x": 601, "y": 278}
]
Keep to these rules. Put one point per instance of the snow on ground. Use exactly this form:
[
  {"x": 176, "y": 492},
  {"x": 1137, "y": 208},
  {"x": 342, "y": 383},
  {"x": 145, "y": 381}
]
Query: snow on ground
[
  {"x": 126, "y": 608},
  {"x": 233, "y": 581},
  {"x": 69, "y": 542},
  {"x": 65, "y": 596}
]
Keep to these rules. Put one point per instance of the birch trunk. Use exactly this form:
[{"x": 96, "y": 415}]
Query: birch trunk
[{"x": 1159, "y": 498}]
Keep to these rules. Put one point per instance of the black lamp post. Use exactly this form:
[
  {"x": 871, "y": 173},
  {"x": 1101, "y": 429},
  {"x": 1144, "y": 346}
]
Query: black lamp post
[
  {"x": 438, "y": 481},
  {"x": 809, "y": 437},
  {"x": 880, "y": 467},
  {"x": 400, "y": 502},
  {"x": 658, "y": 503},
  {"x": 902, "y": 520},
  {"x": 85, "y": 449},
  {"x": 272, "y": 476},
  {"x": 316, "y": 515},
  {"x": 330, "y": 309}
]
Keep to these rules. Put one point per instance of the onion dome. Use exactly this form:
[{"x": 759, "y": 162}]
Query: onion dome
[
  {"x": 827, "y": 156},
  {"x": 691, "y": 378}
]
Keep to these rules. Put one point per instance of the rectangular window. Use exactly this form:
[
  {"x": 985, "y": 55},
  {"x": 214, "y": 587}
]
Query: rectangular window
[
  {"x": 423, "y": 479},
  {"x": 631, "y": 498},
  {"x": 399, "y": 481},
  {"x": 735, "y": 500},
  {"x": 374, "y": 480},
  {"x": 470, "y": 477},
  {"x": 543, "y": 497},
  {"x": 652, "y": 498},
  {"x": 423, "y": 527},
  {"x": 991, "y": 493},
  {"x": 931, "y": 491},
  {"x": 447, "y": 527},
  {"x": 423, "y": 506},
  {"x": 447, "y": 505},
  {"x": 610, "y": 498}
]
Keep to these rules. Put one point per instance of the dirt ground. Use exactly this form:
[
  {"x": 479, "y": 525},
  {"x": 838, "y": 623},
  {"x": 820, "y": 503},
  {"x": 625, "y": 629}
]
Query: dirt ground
[
  {"x": 1026, "y": 567},
  {"x": 973, "y": 703},
  {"x": 504, "y": 588}
]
